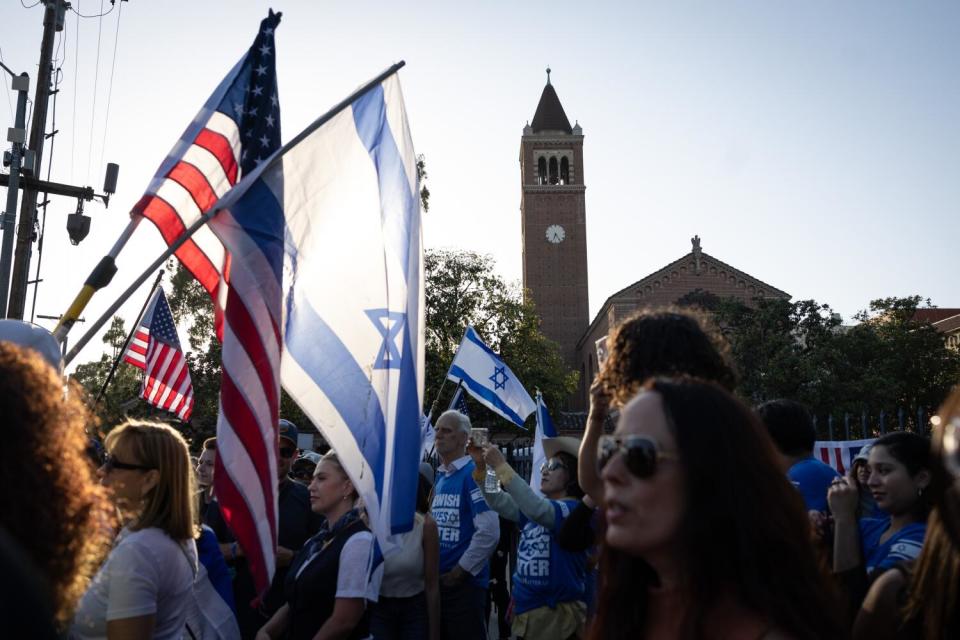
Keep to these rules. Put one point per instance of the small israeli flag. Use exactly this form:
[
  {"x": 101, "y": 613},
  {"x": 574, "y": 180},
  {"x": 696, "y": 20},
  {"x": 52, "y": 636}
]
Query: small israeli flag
[
  {"x": 489, "y": 380},
  {"x": 545, "y": 429}
]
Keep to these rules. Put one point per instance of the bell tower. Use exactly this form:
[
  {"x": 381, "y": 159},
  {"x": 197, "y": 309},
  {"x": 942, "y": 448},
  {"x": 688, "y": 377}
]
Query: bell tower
[{"x": 553, "y": 223}]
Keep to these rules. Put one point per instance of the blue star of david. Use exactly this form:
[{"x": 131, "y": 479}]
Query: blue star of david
[
  {"x": 389, "y": 324},
  {"x": 499, "y": 378}
]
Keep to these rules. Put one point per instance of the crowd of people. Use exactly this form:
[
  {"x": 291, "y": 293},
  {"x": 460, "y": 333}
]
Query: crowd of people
[{"x": 698, "y": 516}]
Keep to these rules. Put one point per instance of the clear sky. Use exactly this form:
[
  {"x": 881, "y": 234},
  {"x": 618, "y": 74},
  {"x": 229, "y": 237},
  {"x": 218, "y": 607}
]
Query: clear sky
[{"x": 814, "y": 145}]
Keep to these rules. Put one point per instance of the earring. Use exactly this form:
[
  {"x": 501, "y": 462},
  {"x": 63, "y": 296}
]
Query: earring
[{"x": 920, "y": 492}]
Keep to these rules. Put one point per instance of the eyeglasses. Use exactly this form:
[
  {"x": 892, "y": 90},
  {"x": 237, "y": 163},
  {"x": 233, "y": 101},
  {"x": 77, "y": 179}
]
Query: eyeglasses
[
  {"x": 641, "y": 454},
  {"x": 553, "y": 465},
  {"x": 110, "y": 463},
  {"x": 288, "y": 452}
]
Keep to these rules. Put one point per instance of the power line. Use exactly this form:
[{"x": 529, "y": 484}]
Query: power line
[
  {"x": 73, "y": 118},
  {"x": 25, "y": 6},
  {"x": 9, "y": 91},
  {"x": 98, "y": 15},
  {"x": 96, "y": 77},
  {"x": 113, "y": 66}
]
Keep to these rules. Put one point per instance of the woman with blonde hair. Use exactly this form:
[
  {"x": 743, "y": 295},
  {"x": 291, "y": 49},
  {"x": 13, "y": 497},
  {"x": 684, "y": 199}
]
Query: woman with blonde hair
[{"x": 146, "y": 584}]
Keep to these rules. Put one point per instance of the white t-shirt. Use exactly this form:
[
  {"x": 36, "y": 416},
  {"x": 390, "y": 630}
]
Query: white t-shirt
[{"x": 147, "y": 572}]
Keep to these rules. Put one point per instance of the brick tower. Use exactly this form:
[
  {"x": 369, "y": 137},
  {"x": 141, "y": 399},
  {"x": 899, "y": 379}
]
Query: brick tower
[{"x": 553, "y": 221}]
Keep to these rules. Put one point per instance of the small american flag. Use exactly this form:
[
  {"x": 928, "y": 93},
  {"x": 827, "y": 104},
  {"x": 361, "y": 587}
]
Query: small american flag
[
  {"x": 155, "y": 348},
  {"x": 459, "y": 402}
]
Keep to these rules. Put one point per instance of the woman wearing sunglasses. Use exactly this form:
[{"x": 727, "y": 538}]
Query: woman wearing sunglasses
[
  {"x": 705, "y": 537},
  {"x": 548, "y": 584},
  {"x": 144, "y": 587}
]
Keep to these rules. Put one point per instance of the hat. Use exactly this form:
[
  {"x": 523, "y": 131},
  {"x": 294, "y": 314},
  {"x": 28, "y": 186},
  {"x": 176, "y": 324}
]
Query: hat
[
  {"x": 31, "y": 336},
  {"x": 553, "y": 446},
  {"x": 427, "y": 472},
  {"x": 289, "y": 431},
  {"x": 310, "y": 456},
  {"x": 864, "y": 453}
]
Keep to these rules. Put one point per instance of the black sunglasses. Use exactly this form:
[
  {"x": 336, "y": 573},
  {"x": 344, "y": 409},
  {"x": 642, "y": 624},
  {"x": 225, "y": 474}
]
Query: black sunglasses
[
  {"x": 552, "y": 465},
  {"x": 110, "y": 463},
  {"x": 288, "y": 452},
  {"x": 640, "y": 454}
]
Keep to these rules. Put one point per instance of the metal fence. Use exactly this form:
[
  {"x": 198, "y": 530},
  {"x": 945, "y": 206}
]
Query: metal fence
[{"x": 851, "y": 426}]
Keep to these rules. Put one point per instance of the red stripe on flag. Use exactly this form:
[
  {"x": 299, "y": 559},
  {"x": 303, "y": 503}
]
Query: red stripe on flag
[
  {"x": 825, "y": 455},
  {"x": 248, "y": 432},
  {"x": 837, "y": 454},
  {"x": 171, "y": 227},
  {"x": 236, "y": 513},
  {"x": 220, "y": 147},
  {"x": 191, "y": 179},
  {"x": 249, "y": 338}
]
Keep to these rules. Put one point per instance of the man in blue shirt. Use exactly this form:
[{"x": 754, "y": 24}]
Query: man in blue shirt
[
  {"x": 469, "y": 531},
  {"x": 791, "y": 429}
]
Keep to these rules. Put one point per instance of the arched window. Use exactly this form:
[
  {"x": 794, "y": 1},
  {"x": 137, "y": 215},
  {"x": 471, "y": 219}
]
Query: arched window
[
  {"x": 553, "y": 171},
  {"x": 564, "y": 171},
  {"x": 542, "y": 170}
]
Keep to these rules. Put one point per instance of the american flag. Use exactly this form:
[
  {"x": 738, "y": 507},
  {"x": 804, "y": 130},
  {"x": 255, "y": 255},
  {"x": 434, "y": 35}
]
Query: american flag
[
  {"x": 156, "y": 349},
  {"x": 459, "y": 402},
  {"x": 237, "y": 128}
]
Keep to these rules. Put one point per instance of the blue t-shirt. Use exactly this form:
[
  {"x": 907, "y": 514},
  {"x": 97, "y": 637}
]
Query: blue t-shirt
[
  {"x": 901, "y": 546},
  {"x": 812, "y": 479},
  {"x": 456, "y": 501},
  {"x": 547, "y": 575}
]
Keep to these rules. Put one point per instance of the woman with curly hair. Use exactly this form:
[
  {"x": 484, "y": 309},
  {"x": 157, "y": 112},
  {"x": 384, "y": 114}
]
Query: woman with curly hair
[
  {"x": 51, "y": 506},
  {"x": 652, "y": 342},
  {"x": 144, "y": 588},
  {"x": 705, "y": 537}
]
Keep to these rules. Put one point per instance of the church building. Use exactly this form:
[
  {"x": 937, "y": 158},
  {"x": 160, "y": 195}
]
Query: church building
[{"x": 554, "y": 227}]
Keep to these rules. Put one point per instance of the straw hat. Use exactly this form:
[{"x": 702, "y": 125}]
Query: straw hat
[{"x": 553, "y": 446}]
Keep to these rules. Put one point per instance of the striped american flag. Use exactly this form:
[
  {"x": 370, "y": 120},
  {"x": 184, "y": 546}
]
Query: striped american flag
[
  {"x": 237, "y": 128},
  {"x": 155, "y": 348}
]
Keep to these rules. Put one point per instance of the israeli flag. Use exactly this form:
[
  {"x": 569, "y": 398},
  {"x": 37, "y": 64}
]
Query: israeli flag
[
  {"x": 545, "y": 429},
  {"x": 335, "y": 219},
  {"x": 485, "y": 377}
]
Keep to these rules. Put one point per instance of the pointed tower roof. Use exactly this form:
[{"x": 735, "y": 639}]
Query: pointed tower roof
[{"x": 550, "y": 115}]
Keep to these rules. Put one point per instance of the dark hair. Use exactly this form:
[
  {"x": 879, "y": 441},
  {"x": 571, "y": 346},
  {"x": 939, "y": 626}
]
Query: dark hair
[
  {"x": 933, "y": 603},
  {"x": 664, "y": 342},
  {"x": 915, "y": 453},
  {"x": 790, "y": 426},
  {"x": 573, "y": 481},
  {"x": 910, "y": 450},
  {"x": 423, "y": 494},
  {"x": 744, "y": 533},
  {"x": 210, "y": 443},
  {"x": 50, "y": 501}
]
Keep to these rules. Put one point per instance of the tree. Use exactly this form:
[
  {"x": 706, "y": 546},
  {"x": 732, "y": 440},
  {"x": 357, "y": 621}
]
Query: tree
[
  {"x": 800, "y": 350},
  {"x": 463, "y": 290}
]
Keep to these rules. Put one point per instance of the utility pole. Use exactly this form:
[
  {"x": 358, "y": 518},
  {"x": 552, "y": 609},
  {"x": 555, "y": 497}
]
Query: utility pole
[
  {"x": 18, "y": 136},
  {"x": 53, "y": 17}
]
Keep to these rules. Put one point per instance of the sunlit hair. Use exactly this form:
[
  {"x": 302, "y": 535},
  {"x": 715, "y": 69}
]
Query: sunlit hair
[
  {"x": 934, "y": 600},
  {"x": 664, "y": 342},
  {"x": 332, "y": 458},
  {"x": 50, "y": 501},
  {"x": 743, "y": 536},
  {"x": 459, "y": 420},
  {"x": 948, "y": 501},
  {"x": 169, "y": 505}
]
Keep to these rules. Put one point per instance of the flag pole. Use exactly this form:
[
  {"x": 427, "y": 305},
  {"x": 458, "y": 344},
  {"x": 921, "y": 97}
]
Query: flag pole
[
  {"x": 221, "y": 203},
  {"x": 100, "y": 277},
  {"x": 126, "y": 343}
]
